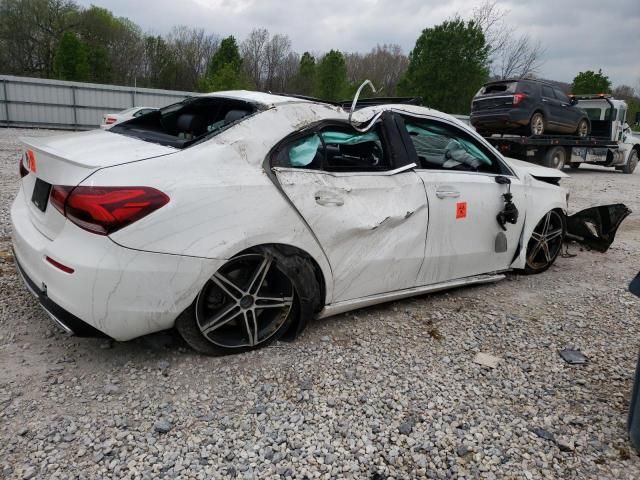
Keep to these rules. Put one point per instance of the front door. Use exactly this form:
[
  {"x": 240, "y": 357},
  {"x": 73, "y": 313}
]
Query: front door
[
  {"x": 368, "y": 214},
  {"x": 459, "y": 172}
]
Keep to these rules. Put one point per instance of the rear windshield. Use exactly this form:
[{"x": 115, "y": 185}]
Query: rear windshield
[
  {"x": 191, "y": 121},
  {"x": 503, "y": 87}
]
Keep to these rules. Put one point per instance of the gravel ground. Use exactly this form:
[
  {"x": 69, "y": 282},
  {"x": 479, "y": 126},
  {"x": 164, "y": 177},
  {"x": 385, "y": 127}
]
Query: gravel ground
[{"x": 385, "y": 392}]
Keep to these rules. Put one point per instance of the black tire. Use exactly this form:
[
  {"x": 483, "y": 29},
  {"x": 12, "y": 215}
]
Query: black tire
[
  {"x": 555, "y": 157},
  {"x": 575, "y": 165},
  {"x": 583, "y": 128},
  {"x": 285, "y": 287},
  {"x": 632, "y": 162},
  {"x": 546, "y": 242},
  {"x": 537, "y": 124}
]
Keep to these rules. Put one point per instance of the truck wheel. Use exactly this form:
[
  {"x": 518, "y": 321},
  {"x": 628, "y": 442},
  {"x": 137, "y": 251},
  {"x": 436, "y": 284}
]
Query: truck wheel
[
  {"x": 632, "y": 162},
  {"x": 536, "y": 124},
  {"x": 555, "y": 157},
  {"x": 583, "y": 128}
]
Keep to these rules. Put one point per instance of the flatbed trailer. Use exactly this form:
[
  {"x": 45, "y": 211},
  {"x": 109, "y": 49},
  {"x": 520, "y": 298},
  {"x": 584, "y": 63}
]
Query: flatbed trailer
[
  {"x": 557, "y": 151},
  {"x": 611, "y": 143}
]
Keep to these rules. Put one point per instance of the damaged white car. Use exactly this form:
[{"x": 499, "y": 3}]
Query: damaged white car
[{"x": 239, "y": 216}]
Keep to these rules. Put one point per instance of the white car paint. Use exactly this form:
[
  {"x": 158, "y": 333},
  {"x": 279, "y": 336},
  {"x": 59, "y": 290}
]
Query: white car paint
[
  {"x": 111, "y": 119},
  {"x": 377, "y": 237}
]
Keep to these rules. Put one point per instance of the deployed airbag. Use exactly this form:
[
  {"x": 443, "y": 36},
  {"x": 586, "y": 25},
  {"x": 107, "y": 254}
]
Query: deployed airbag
[{"x": 596, "y": 227}]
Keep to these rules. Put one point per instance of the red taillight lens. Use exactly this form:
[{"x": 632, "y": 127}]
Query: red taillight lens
[
  {"x": 110, "y": 120},
  {"x": 23, "y": 170},
  {"x": 104, "y": 210},
  {"x": 58, "y": 196},
  {"x": 518, "y": 98}
]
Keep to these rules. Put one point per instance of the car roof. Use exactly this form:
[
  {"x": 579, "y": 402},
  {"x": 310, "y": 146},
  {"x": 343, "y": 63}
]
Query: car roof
[
  {"x": 532, "y": 80},
  {"x": 266, "y": 100},
  {"x": 368, "y": 112}
]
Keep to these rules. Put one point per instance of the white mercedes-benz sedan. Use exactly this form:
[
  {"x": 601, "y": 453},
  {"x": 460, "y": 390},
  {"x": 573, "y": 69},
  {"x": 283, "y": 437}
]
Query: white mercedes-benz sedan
[{"x": 237, "y": 216}]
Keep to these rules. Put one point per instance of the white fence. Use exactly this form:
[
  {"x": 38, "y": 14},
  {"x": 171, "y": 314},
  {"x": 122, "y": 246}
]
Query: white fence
[{"x": 43, "y": 103}]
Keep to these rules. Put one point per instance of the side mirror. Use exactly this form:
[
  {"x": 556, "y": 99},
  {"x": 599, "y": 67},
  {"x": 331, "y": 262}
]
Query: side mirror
[
  {"x": 573, "y": 101},
  {"x": 502, "y": 180}
]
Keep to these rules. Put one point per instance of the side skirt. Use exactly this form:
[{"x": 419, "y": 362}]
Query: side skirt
[{"x": 348, "y": 305}]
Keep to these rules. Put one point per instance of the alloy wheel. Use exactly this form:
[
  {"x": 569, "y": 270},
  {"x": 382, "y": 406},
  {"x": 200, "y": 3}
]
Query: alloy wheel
[
  {"x": 546, "y": 241},
  {"x": 245, "y": 302},
  {"x": 583, "y": 128},
  {"x": 537, "y": 124}
]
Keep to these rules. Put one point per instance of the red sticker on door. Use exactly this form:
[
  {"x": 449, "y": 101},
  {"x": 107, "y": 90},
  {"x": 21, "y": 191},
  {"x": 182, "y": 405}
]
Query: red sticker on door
[{"x": 461, "y": 210}]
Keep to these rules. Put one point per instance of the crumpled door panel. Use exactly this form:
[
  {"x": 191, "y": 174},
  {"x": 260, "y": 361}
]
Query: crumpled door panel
[{"x": 596, "y": 227}]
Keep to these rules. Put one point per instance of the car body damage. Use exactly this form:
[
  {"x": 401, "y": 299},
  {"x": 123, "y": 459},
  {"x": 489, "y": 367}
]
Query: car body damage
[
  {"x": 596, "y": 227},
  {"x": 252, "y": 219}
]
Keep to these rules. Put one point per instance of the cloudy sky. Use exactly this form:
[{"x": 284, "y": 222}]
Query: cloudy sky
[{"x": 577, "y": 34}]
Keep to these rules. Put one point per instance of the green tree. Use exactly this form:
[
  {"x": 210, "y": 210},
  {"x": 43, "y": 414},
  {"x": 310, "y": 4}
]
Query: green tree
[
  {"x": 225, "y": 69},
  {"x": 331, "y": 76},
  {"x": 305, "y": 78},
  {"x": 590, "y": 82},
  {"x": 447, "y": 66},
  {"x": 70, "y": 61}
]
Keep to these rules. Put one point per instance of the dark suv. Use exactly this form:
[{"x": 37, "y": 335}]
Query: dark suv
[{"x": 531, "y": 107}]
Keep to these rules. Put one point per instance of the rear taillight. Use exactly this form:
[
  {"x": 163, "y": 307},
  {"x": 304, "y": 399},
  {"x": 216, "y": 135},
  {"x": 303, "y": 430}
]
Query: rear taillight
[
  {"x": 23, "y": 170},
  {"x": 104, "y": 210},
  {"x": 518, "y": 98},
  {"x": 110, "y": 120}
]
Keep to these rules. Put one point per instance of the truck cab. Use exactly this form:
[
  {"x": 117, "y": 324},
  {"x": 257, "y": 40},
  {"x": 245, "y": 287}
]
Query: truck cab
[{"x": 608, "y": 117}]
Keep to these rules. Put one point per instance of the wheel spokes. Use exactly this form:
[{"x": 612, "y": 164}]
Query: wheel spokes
[
  {"x": 259, "y": 275},
  {"x": 553, "y": 234},
  {"x": 227, "y": 286},
  {"x": 251, "y": 324},
  {"x": 273, "y": 302},
  {"x": 221, "y": 318}
]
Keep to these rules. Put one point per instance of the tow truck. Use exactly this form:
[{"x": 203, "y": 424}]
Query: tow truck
[{"x": 611, "y": 143}]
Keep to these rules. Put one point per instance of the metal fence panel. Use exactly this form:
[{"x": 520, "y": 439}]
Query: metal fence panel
[{"x": 44, "y": 103}]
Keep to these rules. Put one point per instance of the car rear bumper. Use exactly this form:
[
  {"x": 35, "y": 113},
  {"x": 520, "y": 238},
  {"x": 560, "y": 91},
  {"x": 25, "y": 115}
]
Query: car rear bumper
[
  {"x": 113, "y": 290},
  {"x": 500, "y": 119}
]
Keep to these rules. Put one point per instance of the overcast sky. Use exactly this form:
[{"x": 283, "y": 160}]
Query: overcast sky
[{"x": 577, "y": 34}]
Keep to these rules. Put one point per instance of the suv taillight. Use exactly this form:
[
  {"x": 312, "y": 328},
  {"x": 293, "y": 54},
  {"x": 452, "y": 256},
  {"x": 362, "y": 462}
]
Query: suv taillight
[
  {"x": 110, "y": 120},
  {"x": 518, "y": 98},
  {"x": 104, "y": 210}
]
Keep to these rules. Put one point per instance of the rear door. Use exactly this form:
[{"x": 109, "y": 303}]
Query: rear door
[
  {"x": 366, "y": 206},
  {"x": 554, "y": 111},
  {"x": 459, "y": 172},
  {"x": 570, "y": 114}
]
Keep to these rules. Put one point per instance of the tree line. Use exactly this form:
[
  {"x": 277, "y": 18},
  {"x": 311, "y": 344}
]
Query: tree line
[{"x": 449, "y": 63}]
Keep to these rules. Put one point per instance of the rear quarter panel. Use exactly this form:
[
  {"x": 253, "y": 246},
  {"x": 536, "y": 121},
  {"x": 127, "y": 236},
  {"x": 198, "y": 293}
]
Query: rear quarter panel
[{"x": 221, "y": 199}]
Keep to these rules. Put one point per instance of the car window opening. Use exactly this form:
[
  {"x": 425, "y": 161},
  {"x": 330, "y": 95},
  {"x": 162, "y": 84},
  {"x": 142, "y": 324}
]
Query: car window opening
[
  {"x": 183, "y": 124},
  {"x": 439, "y": 147},
  {"x": 336, "y": 150}
]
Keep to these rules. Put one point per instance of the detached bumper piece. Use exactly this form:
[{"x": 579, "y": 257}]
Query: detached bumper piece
[
  {"x": 596, "y": 227},
  {"x": 67, "y": 321}
]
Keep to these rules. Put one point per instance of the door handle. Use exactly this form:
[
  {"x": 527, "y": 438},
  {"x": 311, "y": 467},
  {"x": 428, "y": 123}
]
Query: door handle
[
  {"x": 326, "y": 199},
  {"x": 447, "y": 193}
]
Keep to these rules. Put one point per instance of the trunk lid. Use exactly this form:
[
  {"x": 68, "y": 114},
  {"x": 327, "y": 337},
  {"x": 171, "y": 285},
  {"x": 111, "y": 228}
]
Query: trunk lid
[{"x": 67, "y": 160}]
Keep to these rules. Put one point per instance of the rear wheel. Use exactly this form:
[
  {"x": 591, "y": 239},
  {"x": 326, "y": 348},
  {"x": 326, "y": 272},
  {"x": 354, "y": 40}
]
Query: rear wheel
[
  {"x": 632, "y": 162},
  {"x": 251, "y": 301},
  {"x": 575, "y": 166},
  {"x": 583, "y": 128},
  {"x": 536, "y": 124},
  {"x": 545, "y": 242},
  {"x": 555, "y": 157}
]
